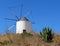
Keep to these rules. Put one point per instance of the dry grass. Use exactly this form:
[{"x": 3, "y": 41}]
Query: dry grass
[{"x": 26, "y": 40}]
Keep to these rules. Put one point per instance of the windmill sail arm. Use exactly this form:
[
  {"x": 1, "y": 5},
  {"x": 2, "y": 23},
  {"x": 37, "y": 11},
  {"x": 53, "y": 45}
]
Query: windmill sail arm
[
  {"x": 27, "y": 13},
  {"x": 33, "y": 22},
  {"x": 13, "y": 13},
  {"x": 11, "y": 19},
  {"x": 21, "y": 9},
  {"x": 16, "y": 17}
]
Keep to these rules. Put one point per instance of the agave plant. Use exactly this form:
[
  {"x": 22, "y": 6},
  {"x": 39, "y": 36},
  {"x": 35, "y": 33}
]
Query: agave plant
[{"x": 46, "y": 34}]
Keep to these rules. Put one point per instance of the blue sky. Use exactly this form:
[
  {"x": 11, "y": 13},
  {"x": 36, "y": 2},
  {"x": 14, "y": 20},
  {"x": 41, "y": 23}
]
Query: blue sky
[{"x": 45, "y": 13}]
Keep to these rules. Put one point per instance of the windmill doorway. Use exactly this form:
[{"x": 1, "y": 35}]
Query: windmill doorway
[{"x": 24, "y": 30}]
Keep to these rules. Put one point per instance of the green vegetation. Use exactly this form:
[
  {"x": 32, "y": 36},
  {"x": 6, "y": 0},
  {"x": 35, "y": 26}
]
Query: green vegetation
[
  {"x": 25, "y": 34},
  {"x": 46, "y": 34}
]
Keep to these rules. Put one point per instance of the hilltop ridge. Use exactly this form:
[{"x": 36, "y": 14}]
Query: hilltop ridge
[{"x": 28, "y": 39}]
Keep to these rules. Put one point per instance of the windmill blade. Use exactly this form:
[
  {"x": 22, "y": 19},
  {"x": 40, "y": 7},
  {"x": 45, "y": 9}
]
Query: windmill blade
[
  {"x": 16, "y": 16},
  {"x": 33, "y": 22},
  {"x": 13, "y": 13},
  {"x": 21, "y": 10},
  {"x": 11, "y": 27},
  {"x": 28, "y": 13},
  {"x": 10, "y": 19}
]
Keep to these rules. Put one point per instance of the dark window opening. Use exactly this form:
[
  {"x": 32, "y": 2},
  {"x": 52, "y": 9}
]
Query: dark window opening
[{"x": 24, "y": 30}]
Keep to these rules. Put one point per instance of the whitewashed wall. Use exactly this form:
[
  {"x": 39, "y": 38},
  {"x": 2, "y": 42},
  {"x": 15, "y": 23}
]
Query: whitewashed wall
[{"x": 21, "y": 25}]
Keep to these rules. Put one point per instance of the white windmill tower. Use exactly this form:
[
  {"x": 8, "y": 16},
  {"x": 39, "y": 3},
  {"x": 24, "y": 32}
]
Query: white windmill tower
[{"x": 22, "y": 23}]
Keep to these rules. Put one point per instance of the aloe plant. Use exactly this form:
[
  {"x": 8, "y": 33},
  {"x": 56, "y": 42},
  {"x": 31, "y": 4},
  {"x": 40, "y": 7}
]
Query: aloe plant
[{"x": 46, "y": 34}]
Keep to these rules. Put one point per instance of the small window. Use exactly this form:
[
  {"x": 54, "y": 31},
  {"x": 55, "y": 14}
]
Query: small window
[{"x": 24, "y": 30}]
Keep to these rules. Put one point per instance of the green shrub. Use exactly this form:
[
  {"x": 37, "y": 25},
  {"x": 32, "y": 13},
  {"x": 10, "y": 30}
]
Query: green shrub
[{"x": 46, "y": 34}]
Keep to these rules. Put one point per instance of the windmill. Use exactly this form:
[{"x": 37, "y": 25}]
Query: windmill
[{"x": 22, "y": 23}]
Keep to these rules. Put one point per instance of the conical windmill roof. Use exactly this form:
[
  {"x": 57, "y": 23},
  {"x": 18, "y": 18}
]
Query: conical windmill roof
[{"x": 24, "y": 19}]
